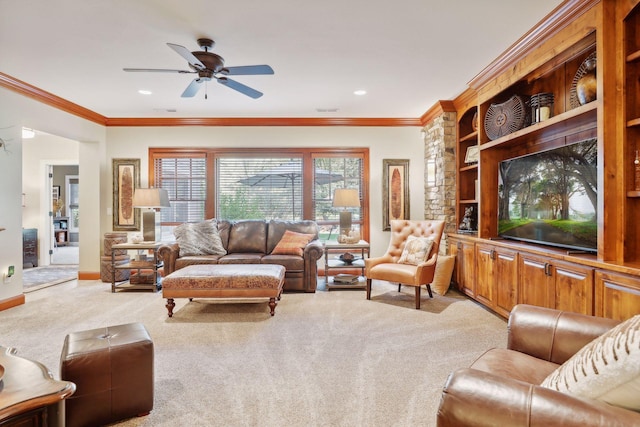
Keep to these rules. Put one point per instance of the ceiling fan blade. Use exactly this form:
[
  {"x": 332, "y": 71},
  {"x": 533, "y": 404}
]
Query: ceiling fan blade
[
  {"x": 156, "y": 70},
  {"x": 192, "y": 89},
  {"x": 240, "y": 87},
  {"x": 247, "y": 70},
  {"x": 184, "y": 52}
]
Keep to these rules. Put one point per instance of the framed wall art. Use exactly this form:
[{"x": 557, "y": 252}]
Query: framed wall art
[
  {"x": 473, "y": 154},
  {"x": 395, "y": 191},
  {"x": 126, "y": 178}
]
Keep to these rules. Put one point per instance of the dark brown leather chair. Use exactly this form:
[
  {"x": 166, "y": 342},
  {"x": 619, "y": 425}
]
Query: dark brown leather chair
[{"x": 501, "y": 388}]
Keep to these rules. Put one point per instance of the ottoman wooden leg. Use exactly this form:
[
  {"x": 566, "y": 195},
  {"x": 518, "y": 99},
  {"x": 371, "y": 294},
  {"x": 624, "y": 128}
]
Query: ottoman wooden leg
[
  {"x": 170, "y": 305},
  {"x": 272, "y": 305}
]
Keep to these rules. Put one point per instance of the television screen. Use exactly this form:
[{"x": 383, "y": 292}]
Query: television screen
[{"x": 551, "y": 197}]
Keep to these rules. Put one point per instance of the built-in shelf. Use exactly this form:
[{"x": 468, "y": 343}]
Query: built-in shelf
[
  {"x": 633, "y": 193},
  {"x": 634, "y": 56},
  {"x": 469, "y": 167},
  {"x": 469, "y": 137},
  {"x": 468, "y": 201},
  {"x": 634, "y": 122},
  {"x": 554, "y": 125}
]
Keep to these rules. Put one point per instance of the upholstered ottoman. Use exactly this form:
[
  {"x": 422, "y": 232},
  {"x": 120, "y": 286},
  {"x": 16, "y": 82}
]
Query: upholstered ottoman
[
  {"x": 224, "y": 281},
  {"x": 112, "y": 368}
]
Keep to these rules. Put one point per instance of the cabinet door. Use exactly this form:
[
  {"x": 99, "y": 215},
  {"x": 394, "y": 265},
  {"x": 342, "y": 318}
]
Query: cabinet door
[
  {"x": 573, "y": 287},
  {"x": 536, "y": 281},
  {"x": 484, "y": 286},
  {"x": 617, "y": 296},
  {"x": 464, "y": 273},
  {"x": 505, "y": 286}
]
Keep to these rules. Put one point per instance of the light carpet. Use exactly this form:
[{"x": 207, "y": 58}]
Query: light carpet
[{"x": 325, "y": 359}]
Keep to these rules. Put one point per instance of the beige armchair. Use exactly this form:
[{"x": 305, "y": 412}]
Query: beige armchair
[{"x": 389, "y": 269}]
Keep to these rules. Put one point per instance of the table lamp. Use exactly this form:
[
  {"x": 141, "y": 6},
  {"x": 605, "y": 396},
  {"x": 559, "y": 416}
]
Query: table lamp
[
  {"x": 345, "y": 198},
  {"x": 151, "y": 199}
]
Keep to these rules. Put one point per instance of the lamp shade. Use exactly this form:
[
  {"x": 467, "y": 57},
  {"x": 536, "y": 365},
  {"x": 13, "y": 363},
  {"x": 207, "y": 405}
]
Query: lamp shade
[
  {"x": 346, "y": 198},
  {"x": 150, "y": 198}
]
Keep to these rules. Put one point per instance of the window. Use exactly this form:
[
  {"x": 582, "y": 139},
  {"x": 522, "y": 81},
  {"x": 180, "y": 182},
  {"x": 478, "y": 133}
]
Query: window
[{"x": 287, "y": 184}]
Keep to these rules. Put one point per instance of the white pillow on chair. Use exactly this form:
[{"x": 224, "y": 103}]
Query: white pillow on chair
[{"x": 416, "y": 250}]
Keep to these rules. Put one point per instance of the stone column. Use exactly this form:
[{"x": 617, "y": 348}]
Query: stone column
[{"x": 440, "y": 185}]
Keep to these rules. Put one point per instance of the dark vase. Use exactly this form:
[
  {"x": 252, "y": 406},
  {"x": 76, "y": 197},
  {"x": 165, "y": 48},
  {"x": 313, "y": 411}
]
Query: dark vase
[{"x": 587, "y": 84}]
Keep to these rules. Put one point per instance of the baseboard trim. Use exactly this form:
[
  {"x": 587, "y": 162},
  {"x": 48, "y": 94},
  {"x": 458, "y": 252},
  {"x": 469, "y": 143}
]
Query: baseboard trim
[
  {"x": 88, "y": 275},
  {"x": 12, "y": 302}
]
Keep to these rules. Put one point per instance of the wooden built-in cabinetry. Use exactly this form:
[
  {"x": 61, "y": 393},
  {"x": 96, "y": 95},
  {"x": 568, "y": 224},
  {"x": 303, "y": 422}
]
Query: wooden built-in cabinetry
[{"x": 501, "y": 273}]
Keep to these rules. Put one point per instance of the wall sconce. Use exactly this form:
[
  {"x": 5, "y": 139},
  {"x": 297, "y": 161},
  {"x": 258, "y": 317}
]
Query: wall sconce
[
  {"x": 151, "y": 199},
  {"x": 346, "y": 198}
]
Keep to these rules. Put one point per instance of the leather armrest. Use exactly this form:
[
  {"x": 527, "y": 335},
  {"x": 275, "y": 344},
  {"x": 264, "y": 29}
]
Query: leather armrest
[
  {"x": 476, "y": 398},
  {"x": 313, "y": 251},
  {"x": 372, "y": 262},
  {"x": 552, "y": 335},
  {"x": 169, "y": 253}
]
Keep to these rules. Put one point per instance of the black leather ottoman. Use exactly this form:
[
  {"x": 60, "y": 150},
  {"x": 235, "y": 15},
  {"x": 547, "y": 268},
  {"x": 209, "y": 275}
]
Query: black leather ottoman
[{"x": 112, "y": 368}]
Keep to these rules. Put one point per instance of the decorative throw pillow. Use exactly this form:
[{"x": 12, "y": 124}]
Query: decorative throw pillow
[
  {"x": 199, "y": 238},
  {"x": 607, "y": 369},
  {"x": 292, "y": 243},
  {"x": 442, "y": 275},
  {"x": 416, "y": 250}
]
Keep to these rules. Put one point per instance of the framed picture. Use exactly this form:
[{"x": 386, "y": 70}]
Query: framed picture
[
  {"x": 473, "y": 154},
  {"x": 126, "y": 178},
  {"x": 395, "y": 191}
]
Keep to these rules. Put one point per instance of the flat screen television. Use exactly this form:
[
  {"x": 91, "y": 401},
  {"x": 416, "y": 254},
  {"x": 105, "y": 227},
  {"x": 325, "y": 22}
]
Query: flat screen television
[{"x": 551, "y": 197}]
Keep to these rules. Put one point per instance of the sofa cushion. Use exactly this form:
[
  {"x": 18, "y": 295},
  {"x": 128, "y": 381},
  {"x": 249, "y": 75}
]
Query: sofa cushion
[
  {"x": 290, "y": 262},
  {"x": 248, "y": 236},
  {"x": 199, "y": 238},
  {"x": 292, "y": 243},
  {"x": 196, "y": 260},
  {"x": 243, "y": 258},
  {"x": 416, "y": 250},
  {"x": 607, "y": 369},
  {"x": 277, "y": 229}
]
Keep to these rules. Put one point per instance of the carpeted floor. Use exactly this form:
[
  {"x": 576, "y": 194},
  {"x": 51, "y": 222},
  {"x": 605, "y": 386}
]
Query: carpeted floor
[
  {"x": 325, "y": 359},
  {"x": 41, "y": 277}
]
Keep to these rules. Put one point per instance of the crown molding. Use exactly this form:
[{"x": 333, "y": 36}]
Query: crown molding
[
  {"x": 261, "y": 121},
  {"x": 550, "y": 25},
  {"x": 55, "y": 101},
  {"x": 437, "y": 110},
  {"x": 48, "y": 98}
]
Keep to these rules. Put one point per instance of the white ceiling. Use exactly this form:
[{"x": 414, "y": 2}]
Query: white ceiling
[{"x": 406, "y": 54}]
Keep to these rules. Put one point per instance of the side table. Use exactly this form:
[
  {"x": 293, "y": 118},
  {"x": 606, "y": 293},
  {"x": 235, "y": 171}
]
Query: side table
[
  {"x": 30, "y": 396},
  {"x": 332, "y": 261},
  {"x": 154, "y": 264}
]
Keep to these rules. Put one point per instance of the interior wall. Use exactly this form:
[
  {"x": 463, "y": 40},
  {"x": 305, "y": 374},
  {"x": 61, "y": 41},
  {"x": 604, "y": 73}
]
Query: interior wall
[
  {"x": 383, "y": 143},
  {"x": 17, "y": 111}
]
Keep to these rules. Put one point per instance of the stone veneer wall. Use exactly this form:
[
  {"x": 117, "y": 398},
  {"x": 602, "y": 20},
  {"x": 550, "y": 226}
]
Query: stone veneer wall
[{"x": 440, "y": 197}]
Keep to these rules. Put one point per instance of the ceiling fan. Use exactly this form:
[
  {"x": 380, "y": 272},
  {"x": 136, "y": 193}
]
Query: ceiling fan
[{"x": 209, "y": 66}]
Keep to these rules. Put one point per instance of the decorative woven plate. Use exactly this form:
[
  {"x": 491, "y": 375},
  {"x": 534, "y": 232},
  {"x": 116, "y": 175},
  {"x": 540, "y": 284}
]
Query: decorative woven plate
[
  {"x": 503, "y": 119},
  {"x": 582, "y": 70}
]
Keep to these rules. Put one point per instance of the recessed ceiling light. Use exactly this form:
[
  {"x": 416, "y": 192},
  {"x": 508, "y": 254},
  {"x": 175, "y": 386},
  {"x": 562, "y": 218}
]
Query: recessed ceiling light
[
  {"x": 360, "y": 92},
  {"x": 145, "y": 92}
]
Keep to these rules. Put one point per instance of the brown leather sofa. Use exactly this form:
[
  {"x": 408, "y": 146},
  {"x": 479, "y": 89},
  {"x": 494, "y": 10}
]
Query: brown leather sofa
[
  {"x": 251, "y": 242},
  {"x": 501, "y": 388}
]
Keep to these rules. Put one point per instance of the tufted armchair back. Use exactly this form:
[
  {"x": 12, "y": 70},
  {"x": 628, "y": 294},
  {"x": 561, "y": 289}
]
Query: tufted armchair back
[{"x": 401, "y": 229}]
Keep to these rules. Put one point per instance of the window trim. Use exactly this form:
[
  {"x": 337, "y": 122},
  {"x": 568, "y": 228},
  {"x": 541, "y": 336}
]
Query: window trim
[{"x": 307, "y": 154}]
